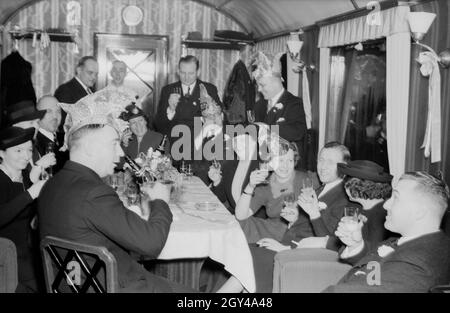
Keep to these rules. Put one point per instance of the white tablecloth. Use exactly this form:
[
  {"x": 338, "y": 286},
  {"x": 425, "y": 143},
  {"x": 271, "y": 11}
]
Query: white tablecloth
[{"x": 215, "y": 234}]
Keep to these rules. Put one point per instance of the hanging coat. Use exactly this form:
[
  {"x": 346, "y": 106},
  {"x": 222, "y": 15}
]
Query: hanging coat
[{"x": 239, "y": 94}]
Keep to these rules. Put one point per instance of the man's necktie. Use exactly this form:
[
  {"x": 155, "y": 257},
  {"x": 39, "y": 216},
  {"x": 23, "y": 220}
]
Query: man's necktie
[
  {"x": 188, "y": 93},
  {"x": 320, "y": 189},
  {"x": 269, "y": 105},
  {"x": 88, "y": 90}
]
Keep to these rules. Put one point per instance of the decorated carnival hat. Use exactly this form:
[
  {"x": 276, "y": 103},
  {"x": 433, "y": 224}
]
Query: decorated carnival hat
[
  {"x": 208, "y": 105},
  {"x": 102, "y": 107},
  {"x": 266, "y": 65}
]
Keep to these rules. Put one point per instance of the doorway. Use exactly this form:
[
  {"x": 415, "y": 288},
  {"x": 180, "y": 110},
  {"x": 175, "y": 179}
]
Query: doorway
[{"x": 145, "y": 58}]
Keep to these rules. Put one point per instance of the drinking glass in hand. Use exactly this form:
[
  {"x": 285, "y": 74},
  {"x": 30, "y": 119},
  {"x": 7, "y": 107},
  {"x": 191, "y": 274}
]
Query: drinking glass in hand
[
  {"x": 114, "y": 182},
  {"x": 216, "y": 164},
  {"x": 264, "y": 167},
  {"x": 351, "y": 218},
  {"x": 183, "y": 167},
  {"x": 44, "y": 174},
  {"x": 289, "y": 200},
  {"x": 250, "y": 116},
  {"x": 132, "y": 195}
]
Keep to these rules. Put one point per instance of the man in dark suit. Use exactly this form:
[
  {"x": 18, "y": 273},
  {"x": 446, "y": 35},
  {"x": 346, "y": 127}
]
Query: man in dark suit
[
  {"x": 47, "y": 139},
  {"x": 179, "y": 102},
  {"x": 77, "y": 205},
  {"x": 419, "y": 259},
  {"x": 278, "y": 106},
  {"x": 79, "y": 86}
]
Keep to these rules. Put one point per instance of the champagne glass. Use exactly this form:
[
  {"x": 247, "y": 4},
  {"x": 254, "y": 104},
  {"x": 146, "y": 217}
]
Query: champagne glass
[
  {"x": 44, "y": 174},
  {"x": 250, "y": 116},
  {"x": 183, "y": 167},
  {"x": 188, "y": 171},
  {"x": 216, "y": 164},
  {"x": 265, "y": 167}
]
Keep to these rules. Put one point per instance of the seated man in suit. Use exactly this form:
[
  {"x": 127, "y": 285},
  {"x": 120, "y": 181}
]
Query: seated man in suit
[
  {"x": 419, "y": 259},
  {"x": 47, "y": 137},
  {"x": 180, "y": 101},
  {"x": 278, "y": 106},
  {"x": 77, "y": 204}
]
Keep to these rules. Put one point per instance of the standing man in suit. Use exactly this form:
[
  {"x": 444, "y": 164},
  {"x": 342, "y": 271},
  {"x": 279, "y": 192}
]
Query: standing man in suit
[
  {"x": 81, "y": 85},
  {"x": 278, "y": 106},
  {"x": 47, "y": 137},
  {"x": 179, "y": 102},
  {"x": 79, "y": 206},
  {"x": 419, "y": 259}
]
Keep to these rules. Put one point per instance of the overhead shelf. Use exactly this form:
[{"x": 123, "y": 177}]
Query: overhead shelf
[
  {"x": 54, "y": 36},
  {"x": 213, "y": 44}
]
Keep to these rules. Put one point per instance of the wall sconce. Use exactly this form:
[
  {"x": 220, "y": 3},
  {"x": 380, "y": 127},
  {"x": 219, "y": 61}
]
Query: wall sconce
[
  {"x": 420, "y": 22},
  {"x": 294, "y": 46}
]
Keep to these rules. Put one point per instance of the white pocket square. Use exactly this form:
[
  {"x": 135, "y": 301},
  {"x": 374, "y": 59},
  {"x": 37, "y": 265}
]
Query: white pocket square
[{"x": 281, "y": 119}]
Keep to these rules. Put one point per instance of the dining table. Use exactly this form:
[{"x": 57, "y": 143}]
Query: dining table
[{"x": 203, "y": 228}]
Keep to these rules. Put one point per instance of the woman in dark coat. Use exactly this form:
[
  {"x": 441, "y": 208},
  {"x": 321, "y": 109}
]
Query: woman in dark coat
[{"x": 19, "y": 188}]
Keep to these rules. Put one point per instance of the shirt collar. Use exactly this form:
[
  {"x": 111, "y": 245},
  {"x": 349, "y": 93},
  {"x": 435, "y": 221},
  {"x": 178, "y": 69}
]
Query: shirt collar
[
  {"x": 330, "y": 186},
  {"x": 88, "y": 90},
  {"x": 191, "y": 86},
  {"x": 277, "y": 97},
  {"x": 47, "y": 134}
]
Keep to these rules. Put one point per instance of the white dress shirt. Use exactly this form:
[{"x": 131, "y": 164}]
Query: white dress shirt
[
  {"x": 272, "y": 101},
  {"x": 47, "y": 134},
  {"x": 88, "y": 90}
]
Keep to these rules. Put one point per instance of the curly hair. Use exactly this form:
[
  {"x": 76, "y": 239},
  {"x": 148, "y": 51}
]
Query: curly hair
[{"x": 367, "y": 189}]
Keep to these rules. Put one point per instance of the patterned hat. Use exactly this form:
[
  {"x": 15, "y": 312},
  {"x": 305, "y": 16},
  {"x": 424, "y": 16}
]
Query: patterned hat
[
  {"x": 131, "y": 112},
  {"x": 102, "y": 107},
  {"x": 266, "y": 65}
]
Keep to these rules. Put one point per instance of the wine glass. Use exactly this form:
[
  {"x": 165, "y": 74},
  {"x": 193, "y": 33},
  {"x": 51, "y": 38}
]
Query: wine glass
[
  {"x": 264, "y": 167},
  {"x": 183, "y": 167},
  {"x": 250, "y": 116},
  {"x": 44, "y": 174},
  {"x": 188, "y": 171},
  {"x": 216, "y": 164}
]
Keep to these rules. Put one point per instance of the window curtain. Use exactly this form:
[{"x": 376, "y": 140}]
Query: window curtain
[
  {"x": 337, "y": 76},
  {"x": 324, "y": 78},
  {"x": 394, "y": 26},
  {"x": 273, "y": 46}
]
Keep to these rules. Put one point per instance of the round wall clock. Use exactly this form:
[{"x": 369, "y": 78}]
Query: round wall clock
[{"x": 132, "y": 15}]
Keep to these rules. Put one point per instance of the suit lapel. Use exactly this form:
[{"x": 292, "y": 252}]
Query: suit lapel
[{"x": 274, "y": 113}]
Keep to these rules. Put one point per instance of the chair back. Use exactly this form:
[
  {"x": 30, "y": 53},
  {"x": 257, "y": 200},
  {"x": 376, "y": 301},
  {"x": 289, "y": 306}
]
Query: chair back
[
  {"x": 8, "y": 266},
  {"x": 78, "y": 268}
]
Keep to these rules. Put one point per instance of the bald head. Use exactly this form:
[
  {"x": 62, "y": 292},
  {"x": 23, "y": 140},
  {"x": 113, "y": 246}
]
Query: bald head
[{"x": 52, "y": 117}]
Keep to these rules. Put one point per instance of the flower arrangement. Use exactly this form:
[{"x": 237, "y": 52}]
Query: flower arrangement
[{"x": 157, "y": 165}]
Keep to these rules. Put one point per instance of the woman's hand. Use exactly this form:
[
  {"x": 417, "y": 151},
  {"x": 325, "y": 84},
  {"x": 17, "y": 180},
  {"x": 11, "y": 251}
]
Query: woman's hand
[
  {"x": 257, "y": 177},
  {"x": 290, "y": 214},
  {"x": 215, "y": 175},
  {"x": 350, "y": 231},
  {"x": 272, "y": 244},
  {"x": 35, "y": 189},
  {"x": 47, "y": 160}
]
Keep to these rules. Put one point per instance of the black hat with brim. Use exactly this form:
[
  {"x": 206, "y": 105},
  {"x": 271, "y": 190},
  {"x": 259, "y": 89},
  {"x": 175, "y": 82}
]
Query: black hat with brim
[
  {"x": 365, "y": 169},
  {"x": 14, "y": 136},
  {"x": 23, "y": 111},
  {"x": 132, "y": 111}
]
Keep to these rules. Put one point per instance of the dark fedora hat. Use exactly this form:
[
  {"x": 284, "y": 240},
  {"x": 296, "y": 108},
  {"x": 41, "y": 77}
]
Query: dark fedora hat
[
  {"x": 131, "y": 112},
  {"x": 23, "y": 111},
  {"x": 365, "y": 169},
  {"x": 13, "y": 136}
]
